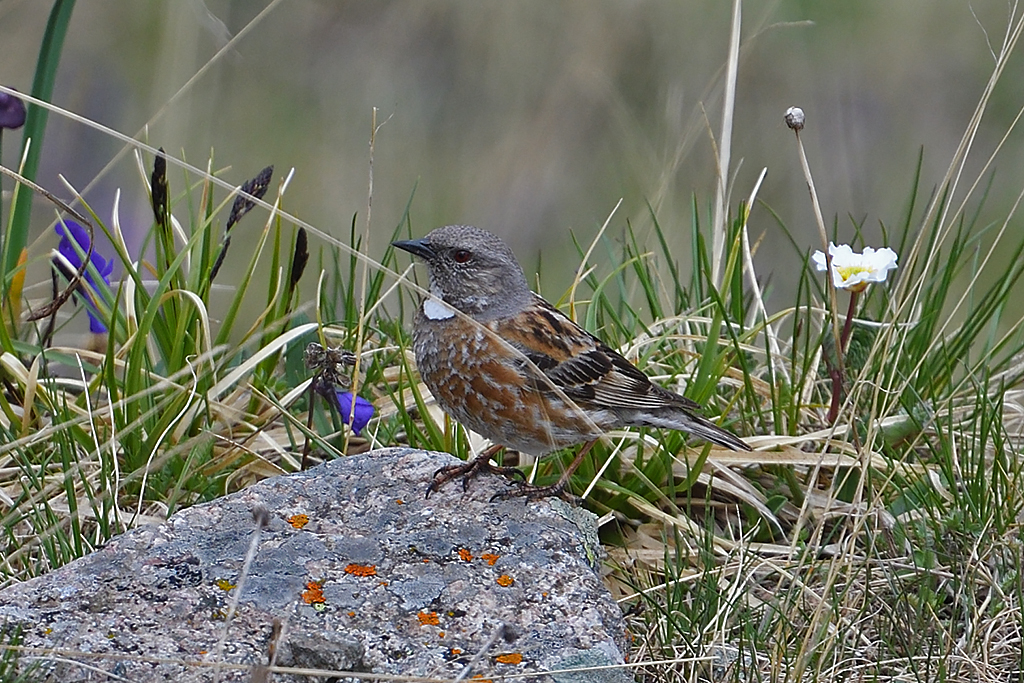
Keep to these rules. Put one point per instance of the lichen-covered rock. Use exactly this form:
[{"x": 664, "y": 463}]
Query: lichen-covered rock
[{"x": 354, "y": 571}]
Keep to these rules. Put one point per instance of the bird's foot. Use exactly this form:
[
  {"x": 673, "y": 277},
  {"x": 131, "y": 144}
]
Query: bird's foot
[
  {"x": 560, "y": 488},
  {"x": 468, "y": 470}
]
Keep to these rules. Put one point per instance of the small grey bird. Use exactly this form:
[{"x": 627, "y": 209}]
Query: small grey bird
[{"x": 507, "y": 364}]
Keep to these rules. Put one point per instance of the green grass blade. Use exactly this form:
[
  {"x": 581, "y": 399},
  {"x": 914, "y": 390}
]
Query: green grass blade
[{"x": 35, "y": 125}]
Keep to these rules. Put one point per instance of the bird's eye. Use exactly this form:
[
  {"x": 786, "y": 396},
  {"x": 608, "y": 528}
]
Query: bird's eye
[{"x": 461, "y": 255}]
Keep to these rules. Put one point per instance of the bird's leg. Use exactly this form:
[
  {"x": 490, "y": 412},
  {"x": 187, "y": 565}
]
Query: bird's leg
[
  {"x": 468, "y": 470},
  {"x": 532, "y": 492}
]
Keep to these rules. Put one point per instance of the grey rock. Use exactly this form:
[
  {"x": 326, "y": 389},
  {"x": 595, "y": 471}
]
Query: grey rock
[{"x": 401, "y": 585}]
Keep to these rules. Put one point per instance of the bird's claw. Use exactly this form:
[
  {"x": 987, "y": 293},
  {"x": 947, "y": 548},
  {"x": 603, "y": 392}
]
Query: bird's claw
[{"x": 469, "y": 470}]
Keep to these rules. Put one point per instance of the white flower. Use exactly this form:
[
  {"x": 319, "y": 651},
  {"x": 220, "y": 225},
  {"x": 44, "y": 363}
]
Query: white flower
[{"x": 855, "y": 271}]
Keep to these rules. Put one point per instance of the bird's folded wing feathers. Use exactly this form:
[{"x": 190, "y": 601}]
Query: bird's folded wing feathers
[{"x": 581, "y": 365}]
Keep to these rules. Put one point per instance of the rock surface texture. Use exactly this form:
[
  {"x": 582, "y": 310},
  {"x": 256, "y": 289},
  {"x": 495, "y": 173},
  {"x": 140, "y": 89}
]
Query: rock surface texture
[{"x": 354, "y": 571}]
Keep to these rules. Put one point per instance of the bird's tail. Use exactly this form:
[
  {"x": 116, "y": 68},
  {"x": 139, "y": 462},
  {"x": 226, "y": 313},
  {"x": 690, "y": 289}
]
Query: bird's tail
[{"x": 700, "y": 427}]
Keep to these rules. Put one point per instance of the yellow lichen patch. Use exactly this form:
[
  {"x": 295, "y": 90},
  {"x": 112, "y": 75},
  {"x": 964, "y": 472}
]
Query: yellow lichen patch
[
  {"x": 314, "y": 594},
  {"x": 428, "y": 618},
  {"x": 224, "y": 584},
  {"x": 361, "y": 569}
]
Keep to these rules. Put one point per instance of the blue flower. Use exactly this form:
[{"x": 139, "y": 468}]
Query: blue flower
[
  {"x": 12, "y": 111},
  {"x": 362, "y": 414},
  {"x": 68, "y": 231}
]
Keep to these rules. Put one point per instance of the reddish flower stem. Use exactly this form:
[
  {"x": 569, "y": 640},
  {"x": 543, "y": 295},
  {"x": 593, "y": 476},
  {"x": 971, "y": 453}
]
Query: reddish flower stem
[{"x": 836, "y": 373}]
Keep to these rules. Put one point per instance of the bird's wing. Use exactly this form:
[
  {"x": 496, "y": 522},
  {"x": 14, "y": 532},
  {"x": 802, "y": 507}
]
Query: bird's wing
[{"x": 579, "y": 364}]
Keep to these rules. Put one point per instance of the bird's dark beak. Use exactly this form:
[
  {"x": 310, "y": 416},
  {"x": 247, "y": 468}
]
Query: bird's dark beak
[{"x": 420, "y": 247}]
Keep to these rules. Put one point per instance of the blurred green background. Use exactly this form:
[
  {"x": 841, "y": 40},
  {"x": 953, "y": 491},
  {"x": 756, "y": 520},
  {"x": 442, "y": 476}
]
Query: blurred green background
[{"x": 528, "y": 118}]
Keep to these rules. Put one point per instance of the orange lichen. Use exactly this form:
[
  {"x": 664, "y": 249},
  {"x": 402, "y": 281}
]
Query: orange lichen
[
  {"x": 490, "y": 557},
  {"x": 455, "y": 651},
  {"x": 480, "y": 679},
  {"x": 505, "y": 580},
  {"x": 314, "y": 594},
  {"x": 361, "y": 569},
  {"x": 510, "y": 658},
  {"x": 465, "y": 555},
  {"x": 298, "y": 521},
  {"x": 428, "y": 618},
  {"x": 440, "y": 634},
  {"x": 400, "y": 501},
  {"x": 351, "y": 614}
]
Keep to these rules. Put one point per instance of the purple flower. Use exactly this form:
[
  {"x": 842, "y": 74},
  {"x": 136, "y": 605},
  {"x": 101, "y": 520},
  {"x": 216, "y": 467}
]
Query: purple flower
[
  {"x": 68, "y": 231},
  {"x": 362, "y": 414},
  {"x": 12, "y": 111}
]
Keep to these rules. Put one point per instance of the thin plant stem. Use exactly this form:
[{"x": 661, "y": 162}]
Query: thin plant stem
[
  {"x": 725, "y": 145},
  {"x": 833, "y": 299},
  {"x": 844, "y": 339},
  {"x": 309, "y": 425},
  {"x": 838, "y": 372},
  {"x": 1, "y": 184},
  {"x": 361, "y": 323}
]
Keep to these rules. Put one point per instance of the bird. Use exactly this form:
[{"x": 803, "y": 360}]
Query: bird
[{"x": 507, "y": 364}]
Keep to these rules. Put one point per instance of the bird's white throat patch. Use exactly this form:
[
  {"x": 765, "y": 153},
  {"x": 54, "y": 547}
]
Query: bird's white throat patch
[{"x": 435, "y": 309}]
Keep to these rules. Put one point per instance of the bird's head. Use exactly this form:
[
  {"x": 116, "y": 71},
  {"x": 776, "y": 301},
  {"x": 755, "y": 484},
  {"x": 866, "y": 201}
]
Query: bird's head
[{"x": 471, "y": 270}]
